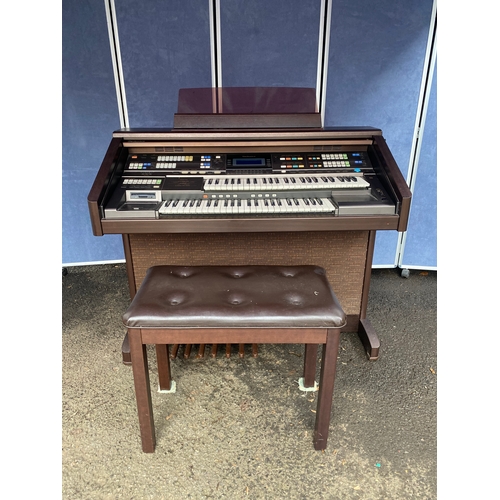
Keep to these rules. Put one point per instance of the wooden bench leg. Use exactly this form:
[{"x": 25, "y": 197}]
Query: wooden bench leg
[
  {"x": 326, "y": 383},
  {"x": 163, "y": 364},
  {"x": 310, "y": 353},
  {"x": 142, "y": 390}
]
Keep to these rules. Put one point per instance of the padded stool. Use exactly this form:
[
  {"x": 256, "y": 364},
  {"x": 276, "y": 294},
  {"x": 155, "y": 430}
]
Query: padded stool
[{"x": 236, "y": 304}]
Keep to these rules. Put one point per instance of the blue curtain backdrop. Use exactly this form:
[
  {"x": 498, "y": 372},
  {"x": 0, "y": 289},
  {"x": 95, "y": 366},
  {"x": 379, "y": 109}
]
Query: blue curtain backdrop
[{"x": 376, "y": 59}]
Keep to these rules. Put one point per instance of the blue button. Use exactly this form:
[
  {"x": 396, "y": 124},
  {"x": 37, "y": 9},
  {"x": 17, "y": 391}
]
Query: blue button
[{"x": 357, "y": 170}]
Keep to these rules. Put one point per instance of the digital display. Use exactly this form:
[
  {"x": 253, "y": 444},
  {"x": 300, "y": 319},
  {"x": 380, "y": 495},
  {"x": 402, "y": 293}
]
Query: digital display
[{"x": 249, "y": 162}]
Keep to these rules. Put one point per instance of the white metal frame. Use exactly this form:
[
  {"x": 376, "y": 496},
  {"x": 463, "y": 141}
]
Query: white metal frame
[
  {"x": 323, "y": 54},
  {"x": 116, "y": 58},
  {"x": 215, "y": 43},
  {"x": 423, "y": 102}
]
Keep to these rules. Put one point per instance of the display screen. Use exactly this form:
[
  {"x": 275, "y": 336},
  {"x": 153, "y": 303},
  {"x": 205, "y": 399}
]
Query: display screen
[{"x": 249, "y": 162}]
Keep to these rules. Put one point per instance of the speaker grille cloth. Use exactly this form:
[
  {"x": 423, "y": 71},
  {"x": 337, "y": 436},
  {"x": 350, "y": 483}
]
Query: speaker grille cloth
[{"x": 341, "y": 253}]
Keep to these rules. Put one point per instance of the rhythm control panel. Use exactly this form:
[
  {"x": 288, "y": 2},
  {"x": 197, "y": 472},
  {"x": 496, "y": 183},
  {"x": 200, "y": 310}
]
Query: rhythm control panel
[
  {"x": 179, "y": 163},
  {"x": 345, "y": 162}
]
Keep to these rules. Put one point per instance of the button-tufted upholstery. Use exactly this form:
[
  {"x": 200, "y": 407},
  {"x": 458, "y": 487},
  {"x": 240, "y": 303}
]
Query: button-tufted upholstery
[{"x": 235, "y": 297}]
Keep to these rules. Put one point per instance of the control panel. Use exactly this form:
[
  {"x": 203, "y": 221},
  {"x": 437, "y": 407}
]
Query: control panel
[{"x": 345, "y": 162}]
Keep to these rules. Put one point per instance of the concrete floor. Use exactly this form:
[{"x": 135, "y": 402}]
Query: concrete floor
[{"x": 241, "y": 428}]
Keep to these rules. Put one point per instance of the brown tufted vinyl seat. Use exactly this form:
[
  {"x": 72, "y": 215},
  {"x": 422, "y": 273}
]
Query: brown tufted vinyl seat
[
  {"x": 235, "y": 297},
  {"x": 250, "y": 304}
]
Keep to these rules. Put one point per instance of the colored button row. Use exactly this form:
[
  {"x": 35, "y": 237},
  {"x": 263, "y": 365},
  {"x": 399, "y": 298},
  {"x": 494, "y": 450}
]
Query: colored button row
[
  {"x": 139, "y": 166},
  {"x": 175, "y": 158},
  {"x": 293, "y": 165},
  {"x": 291, "y": 158},
  {"x": 142, "y": 181},
  {"x": 336, "y": 164},
  {"x": 334, "y": 156}
]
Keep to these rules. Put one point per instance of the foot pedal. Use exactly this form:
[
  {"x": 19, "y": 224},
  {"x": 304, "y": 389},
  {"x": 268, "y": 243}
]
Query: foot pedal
[{"x": 174, "y": 352}]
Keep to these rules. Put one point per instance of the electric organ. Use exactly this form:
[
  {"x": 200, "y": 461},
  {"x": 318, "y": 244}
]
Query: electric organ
[{"x": 235, "y": 189}]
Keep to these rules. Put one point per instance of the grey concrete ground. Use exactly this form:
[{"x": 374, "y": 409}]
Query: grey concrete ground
[{"x": 240, "y": 428}]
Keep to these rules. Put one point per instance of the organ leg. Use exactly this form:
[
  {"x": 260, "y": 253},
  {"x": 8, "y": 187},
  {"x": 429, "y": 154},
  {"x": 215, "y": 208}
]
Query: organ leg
[{"x": 366, "y": 332}]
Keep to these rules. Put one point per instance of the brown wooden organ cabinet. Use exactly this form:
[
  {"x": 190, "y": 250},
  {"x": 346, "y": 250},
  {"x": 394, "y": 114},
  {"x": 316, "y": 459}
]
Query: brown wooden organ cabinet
[{"x": 225, "y": 187}]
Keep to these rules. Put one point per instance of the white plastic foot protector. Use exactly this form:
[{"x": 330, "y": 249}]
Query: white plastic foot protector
[
  {"x": 307, "y": 389},
  {"x": 169, "y": 391}
]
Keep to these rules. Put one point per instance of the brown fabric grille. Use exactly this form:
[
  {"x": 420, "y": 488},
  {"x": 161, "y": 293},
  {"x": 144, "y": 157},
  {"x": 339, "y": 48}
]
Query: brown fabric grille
[{"x": 341, "y": 253}]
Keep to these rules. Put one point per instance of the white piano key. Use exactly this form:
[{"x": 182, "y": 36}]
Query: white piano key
[
  {"x": 306, "y": 204},
  {"x": 218, "y": 206},
  {"x": 175, "y": 207},
  {"x": 208, "y": 207},
  {"x": 247, "y": 206},
  {"x": 280, "y": 206},
  {"x": 254, "y": 206},
  {"x": 241, "y": 206}
]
